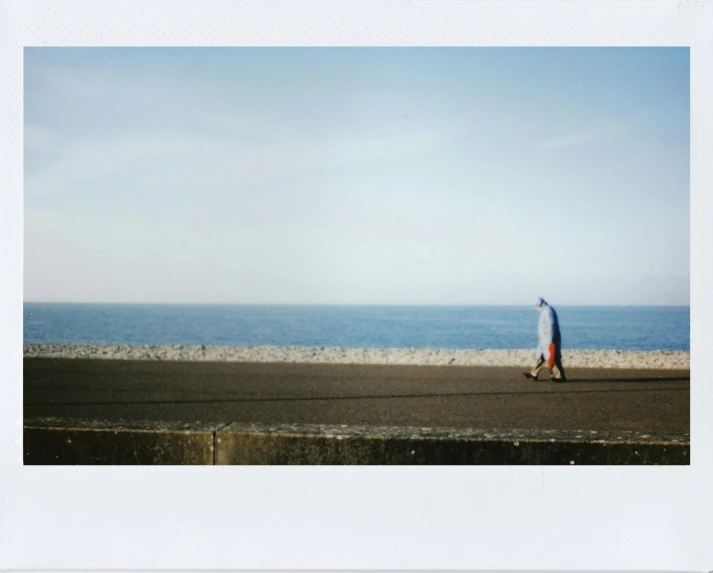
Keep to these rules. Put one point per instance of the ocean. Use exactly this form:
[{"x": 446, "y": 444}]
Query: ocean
[{"x": 447, "y": 327}]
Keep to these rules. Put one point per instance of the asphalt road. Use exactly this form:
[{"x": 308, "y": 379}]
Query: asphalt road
[{"x": 474, "y": 397}]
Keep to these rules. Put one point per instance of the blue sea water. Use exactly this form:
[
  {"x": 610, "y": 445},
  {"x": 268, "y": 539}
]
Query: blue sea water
[{"x": 622, "y": 328}]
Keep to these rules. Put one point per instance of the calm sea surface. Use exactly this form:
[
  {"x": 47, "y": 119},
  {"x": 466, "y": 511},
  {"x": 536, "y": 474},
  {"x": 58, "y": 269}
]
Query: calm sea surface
[{"x": 623, "y": 328}]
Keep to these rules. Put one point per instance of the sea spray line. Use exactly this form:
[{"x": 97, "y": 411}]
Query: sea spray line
[{"x": 637, "y": 359}]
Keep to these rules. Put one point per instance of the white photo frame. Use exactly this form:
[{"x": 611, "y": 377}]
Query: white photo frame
[{"x": 370, "y": 518}]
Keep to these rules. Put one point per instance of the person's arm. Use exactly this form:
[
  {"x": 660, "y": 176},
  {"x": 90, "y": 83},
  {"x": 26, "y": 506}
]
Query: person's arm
[{"x": 547, "y": 328}]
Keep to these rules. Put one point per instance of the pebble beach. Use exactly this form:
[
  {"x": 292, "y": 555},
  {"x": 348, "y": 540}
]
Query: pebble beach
[{"x": 630, "y": 359}]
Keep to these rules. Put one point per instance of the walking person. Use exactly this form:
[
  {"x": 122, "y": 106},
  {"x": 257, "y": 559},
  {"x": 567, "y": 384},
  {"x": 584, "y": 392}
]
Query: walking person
[{"x": 549, "y": 348}]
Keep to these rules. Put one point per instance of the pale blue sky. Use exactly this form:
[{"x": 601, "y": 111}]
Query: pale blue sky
[{"x": 357, "y": 176}]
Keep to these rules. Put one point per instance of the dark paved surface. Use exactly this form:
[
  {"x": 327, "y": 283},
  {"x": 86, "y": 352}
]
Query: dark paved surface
[{"x": 475, "y": 397}]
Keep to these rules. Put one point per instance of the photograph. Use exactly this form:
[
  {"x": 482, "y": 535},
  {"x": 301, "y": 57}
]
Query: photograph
[
  {"x": 372, "y": 285},
  {"x": 282, "y": 255}
]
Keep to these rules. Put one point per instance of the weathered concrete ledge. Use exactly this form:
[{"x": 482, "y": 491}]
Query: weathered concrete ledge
[
  {"x": 57, "y": 441},
  {"x": 311, "y": 444},
  {"x": 66, "y": 442}
]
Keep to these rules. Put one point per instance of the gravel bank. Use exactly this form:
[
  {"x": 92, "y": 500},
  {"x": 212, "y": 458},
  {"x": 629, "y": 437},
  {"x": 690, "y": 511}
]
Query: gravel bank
[{"x": 657, "y": 359}]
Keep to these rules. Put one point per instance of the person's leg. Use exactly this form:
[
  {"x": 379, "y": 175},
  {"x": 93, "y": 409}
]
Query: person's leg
[
  {"x": 536, "y": 368},
  {"x": 558, "y": 369}
]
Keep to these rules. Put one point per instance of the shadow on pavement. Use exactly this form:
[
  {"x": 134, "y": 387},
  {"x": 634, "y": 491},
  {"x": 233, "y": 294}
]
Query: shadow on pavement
[
  {"x": 554, "y": 390},
  {"x": 619, "y": 380}
]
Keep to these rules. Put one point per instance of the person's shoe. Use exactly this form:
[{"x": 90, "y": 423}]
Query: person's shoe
[
  {"x": 560, "y": 379},
  {"x": 529, "y": 376}
]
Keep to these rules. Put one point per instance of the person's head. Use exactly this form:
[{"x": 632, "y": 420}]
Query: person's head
[{"x": 540, "y": 303}]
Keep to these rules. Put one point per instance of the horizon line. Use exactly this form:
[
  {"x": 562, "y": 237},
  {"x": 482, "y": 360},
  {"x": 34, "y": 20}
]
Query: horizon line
[{"x": 118, "y": 303}]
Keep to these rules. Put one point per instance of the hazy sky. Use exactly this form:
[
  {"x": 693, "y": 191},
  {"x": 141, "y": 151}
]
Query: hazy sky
[{"x": 357, "y": 176}]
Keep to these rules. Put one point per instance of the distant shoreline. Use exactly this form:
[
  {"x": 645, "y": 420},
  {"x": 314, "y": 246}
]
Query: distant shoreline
[
  {"x": 636, "y": 359},
  {"x": 340, "y": 304}
]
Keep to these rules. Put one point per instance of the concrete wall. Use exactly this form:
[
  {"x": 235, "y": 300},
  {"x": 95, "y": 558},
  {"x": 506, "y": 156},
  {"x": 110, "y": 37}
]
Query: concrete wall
[
  {"x": 52, "y": 441},
  {"x": 67, "y": 442}
]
